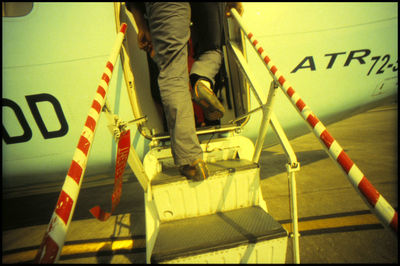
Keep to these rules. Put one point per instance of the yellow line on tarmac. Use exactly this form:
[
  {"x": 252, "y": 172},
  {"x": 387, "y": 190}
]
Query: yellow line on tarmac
[
  {"x": 95, "y": 247},
  {"x": 74, "y": 249},
  {"x": 334, "y": 222},
  {"x": 19, "y": 257}
]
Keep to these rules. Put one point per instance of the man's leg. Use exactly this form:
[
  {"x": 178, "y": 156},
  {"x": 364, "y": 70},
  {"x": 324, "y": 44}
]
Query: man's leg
[{"x": 169, "y": 28}]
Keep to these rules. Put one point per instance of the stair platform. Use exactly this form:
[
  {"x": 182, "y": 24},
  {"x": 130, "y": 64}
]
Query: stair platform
[
  {"x": 172, "y": 174},
  {"x": 223, "y": 219}
]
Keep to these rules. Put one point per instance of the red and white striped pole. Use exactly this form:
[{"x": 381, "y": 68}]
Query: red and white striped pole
[
  {"x": 377, "y": 203},
  {"x": 53, "y": 240}
]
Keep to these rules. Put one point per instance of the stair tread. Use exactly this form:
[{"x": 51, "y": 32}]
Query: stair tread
[
  {"x": 213, "y": 232},
  {"x": 171, "y": 175}
]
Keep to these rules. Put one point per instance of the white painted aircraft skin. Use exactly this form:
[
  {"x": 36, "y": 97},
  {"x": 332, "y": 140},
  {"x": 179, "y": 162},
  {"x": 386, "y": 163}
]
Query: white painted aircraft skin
[{"x": 341, "y": 58}]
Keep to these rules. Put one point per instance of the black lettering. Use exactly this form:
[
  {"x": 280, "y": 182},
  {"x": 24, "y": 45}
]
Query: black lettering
[
  {"x": 382, "y": 69},
  {"x": 360, "y": 59},
  {"x": 32, "y": 100},
  {"x": 333, "y": 59},
  {"x": 311, "y": 64},
  {"x": 27, "y": 135}
]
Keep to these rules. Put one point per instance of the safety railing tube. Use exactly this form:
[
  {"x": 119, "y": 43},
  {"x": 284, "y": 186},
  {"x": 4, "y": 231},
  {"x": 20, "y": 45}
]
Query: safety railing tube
[
  {"x": 266, "y": 117},
  {"x": 384, "y": 211},
  {"x": 53, "y": 240},
  {"x": 292, "y": 166}
]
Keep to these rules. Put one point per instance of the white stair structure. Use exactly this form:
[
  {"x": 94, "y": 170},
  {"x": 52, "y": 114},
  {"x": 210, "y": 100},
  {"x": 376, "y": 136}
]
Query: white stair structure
[{"x": 223, "y": 219}]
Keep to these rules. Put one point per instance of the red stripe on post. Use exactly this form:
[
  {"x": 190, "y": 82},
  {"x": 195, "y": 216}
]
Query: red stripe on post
[
  {"x": 123, "y": 28},
  {"x": 90, "y": 123},
  {"x": 290, "y": 92},
  {"x": 75, "y": 171},
  {"x": 51, "y": 251},
  {"x": 250, "y": 35},
  {"x": 260, "y": 50},
  {"x": 106, "y": 78},
  {"x": 266, "y": 59},
  {"x": 64, "y": 206},
  {"x": 110, "y": 66},
  {"x": 368, "y": 190},
  {"x": 394, "y": 222},
  {"x": 84, "y": 145},
  {"x": 345, "y": 161},
  {"x": 255, "y": 42},
  {"x": 281, "y": 80},
  {"x": 327, "y": 138},
  {"x": 96, "y": 106},
  {"x": 101, "y": 91},
  {"x": 312, "y": 120},
  {"x": 274, "y": 69},
  {"x": 300, "y": 104}
]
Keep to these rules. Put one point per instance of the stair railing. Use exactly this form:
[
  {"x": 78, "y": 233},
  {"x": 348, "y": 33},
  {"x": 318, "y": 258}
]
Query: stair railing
[{"x": 375, "y": 201}]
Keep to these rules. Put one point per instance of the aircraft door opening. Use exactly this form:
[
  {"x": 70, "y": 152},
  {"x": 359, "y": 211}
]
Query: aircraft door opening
[{"x": 141, "y": 75}]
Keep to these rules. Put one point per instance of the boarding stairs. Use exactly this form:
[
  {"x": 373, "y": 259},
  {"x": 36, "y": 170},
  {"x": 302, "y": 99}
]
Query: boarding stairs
[{"x": 222, "y": 219}]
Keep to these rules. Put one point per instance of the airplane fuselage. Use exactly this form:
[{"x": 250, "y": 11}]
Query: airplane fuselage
[{"x": 341, "y": 58}]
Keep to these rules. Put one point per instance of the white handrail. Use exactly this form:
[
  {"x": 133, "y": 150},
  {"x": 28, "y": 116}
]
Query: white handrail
[
  {"x": 269, "y": 118},
  {"x": 53, "y": 240}
]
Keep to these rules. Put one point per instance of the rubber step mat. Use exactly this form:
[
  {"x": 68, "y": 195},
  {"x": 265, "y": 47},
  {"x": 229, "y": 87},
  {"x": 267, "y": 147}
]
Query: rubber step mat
[{"x": 193, "y": 236}]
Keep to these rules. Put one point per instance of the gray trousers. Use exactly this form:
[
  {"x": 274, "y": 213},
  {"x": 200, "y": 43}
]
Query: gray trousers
[{"x": 169, "y": 28}]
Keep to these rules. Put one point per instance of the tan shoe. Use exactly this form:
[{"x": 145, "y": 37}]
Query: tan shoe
[
  {"x": 205, "y": 97},
  {"x": 197, "y": 171}
]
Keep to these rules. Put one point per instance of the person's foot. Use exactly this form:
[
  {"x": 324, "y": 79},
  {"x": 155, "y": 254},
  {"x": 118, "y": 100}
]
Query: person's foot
[
  {"x": 197, "y": 171},
  {"x": 205, "y": 97}
]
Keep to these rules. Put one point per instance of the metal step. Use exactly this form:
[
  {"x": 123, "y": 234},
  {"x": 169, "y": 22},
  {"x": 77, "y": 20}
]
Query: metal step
[
  {"x": 232, "y": 184},
  {"x": 210, "y": 233},
  {"x": 223, "y": 219},
  {"x": 172, "y": 174}
]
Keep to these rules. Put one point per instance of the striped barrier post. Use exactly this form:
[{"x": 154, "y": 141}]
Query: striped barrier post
[
  {"x": 377, "y": 203},
  {"x": 53, "y": 240}
]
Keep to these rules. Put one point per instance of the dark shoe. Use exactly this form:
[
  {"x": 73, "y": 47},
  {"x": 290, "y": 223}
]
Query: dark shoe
[
  {"x": 205, "y": 97},
  {"x": 197, "y": 171}
]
